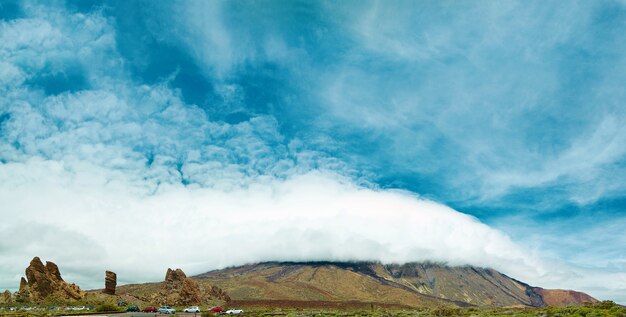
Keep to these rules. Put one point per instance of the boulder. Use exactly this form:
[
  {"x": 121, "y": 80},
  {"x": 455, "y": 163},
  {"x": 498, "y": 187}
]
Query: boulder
[{"x": 110, "y": 282}]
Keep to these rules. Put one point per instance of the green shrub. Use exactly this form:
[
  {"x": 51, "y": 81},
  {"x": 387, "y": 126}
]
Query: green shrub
[
  {"x": 446, "y": 312},
  {"x": 105, "y": 307},
  {"x": 605, "y": 304}
]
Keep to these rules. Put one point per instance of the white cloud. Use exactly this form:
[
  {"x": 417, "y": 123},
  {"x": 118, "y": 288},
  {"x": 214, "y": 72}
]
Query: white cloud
[{"x": 305, "y": 217}]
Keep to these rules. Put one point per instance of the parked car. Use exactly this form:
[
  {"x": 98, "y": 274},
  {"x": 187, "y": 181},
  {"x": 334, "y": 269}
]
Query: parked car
[
  {"x": 150, "y": 309},
  {"x": 167, "y": 310},
  {"x": 132, "y": 308},
  {"x": 216, "y": 309},
  {"x": 192, "y": 309},
  {"x": 234, "y": 312}
]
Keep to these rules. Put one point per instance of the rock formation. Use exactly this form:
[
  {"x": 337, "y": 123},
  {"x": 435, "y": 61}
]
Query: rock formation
[
  {"x": 110, "y": 282},
  {"x": 190, "y": 292},
  {"x": 53, "y": 272},
  {"x": 215, "y": 292},
  {"x": 173, "y": 279},
  {"x": 43, "y": 281},
  {"x": 178, "y": 289},
  {"x": 23, "y": 295},
  {"x": 6, "y": 298}
]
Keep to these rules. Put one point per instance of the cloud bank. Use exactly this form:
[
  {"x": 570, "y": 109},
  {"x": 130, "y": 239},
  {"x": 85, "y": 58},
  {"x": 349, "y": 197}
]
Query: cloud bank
[{"x": 136, "y": 137}]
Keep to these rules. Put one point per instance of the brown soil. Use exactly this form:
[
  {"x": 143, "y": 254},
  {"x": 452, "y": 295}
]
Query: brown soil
[{"x": 313, "y": 304}]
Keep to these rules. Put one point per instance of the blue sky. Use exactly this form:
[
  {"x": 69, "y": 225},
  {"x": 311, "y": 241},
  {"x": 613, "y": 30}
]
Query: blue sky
[{"x": 509, "y": 112}]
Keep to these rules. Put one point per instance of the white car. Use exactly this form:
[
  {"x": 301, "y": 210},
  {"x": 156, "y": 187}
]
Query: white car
[
  {"x": 192, "y": 309},
  {"x": 233, "y": 312},
  {"x": 166, "y": 310}
]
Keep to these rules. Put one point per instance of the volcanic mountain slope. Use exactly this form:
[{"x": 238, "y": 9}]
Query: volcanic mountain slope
[{"x": 369, "y": 283}]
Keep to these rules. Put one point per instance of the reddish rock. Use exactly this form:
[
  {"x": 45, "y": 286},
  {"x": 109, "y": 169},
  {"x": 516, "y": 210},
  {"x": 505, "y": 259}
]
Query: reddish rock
[
  {"x": 190, "y": 293},
  {"x": 7, "y": 298},
  {"x": 217, "y": 293},
  {"x": 53, "y": 272},
  {"x": 23, "y": 295},
  {"x": 39, "y": 282},
  {"x": 23, "y": 284},
  {"x": 178, "y": 289},
  {"x": 174, "y": 278},
  {"x": 44, "y": 281},
  {"x": 560, "y": 297},
  {"x": 110, "y": 282}
]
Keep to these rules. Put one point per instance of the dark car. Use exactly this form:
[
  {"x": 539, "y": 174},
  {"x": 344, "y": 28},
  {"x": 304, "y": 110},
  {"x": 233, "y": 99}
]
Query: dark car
[
  {"x": 132, "y": 308},
  {"x": 150, "y": 310}
]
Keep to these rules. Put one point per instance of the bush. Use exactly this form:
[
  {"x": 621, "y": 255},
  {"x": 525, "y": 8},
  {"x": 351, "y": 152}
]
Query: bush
[
  {"x": 446, "y": 312},
  {"x": 605, "y": 304},
  {"x": 104, "y": 307}
]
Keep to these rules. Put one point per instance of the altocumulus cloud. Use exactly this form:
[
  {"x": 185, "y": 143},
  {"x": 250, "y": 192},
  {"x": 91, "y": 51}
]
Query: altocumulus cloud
[{"x": 102, "y": 169}]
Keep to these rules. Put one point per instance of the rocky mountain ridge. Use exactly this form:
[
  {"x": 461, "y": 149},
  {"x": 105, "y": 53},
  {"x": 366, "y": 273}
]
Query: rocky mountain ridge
[{"x": 411, "y": 284}]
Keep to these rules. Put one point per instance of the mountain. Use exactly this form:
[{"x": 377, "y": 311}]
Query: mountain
[{"x": 324, "y": 284}]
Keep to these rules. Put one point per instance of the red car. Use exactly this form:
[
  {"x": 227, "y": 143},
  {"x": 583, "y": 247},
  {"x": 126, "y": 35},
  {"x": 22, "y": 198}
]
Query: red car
[
  {"x": 216, "y": 309},
  {"x": 150, "y": 310}
]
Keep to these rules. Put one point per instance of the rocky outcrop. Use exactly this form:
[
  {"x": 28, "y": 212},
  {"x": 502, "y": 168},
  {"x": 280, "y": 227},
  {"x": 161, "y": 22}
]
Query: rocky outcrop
[
  {"x": 23, "y": 295},
  {"x": 53, "y": 272},
  {"x": 43, "y": 281},
  {"x": 190, "y": 293},
  {"x": 23, "y": 284},
  {"x": 110, "y": 282},
  {"x": 40, "y": 282},
  {"x": 215, "y": 292},
  {"x": 173, "y": 279},
  {"x": 6, "y": 298},
  {"x": 177, "y": 289}
]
